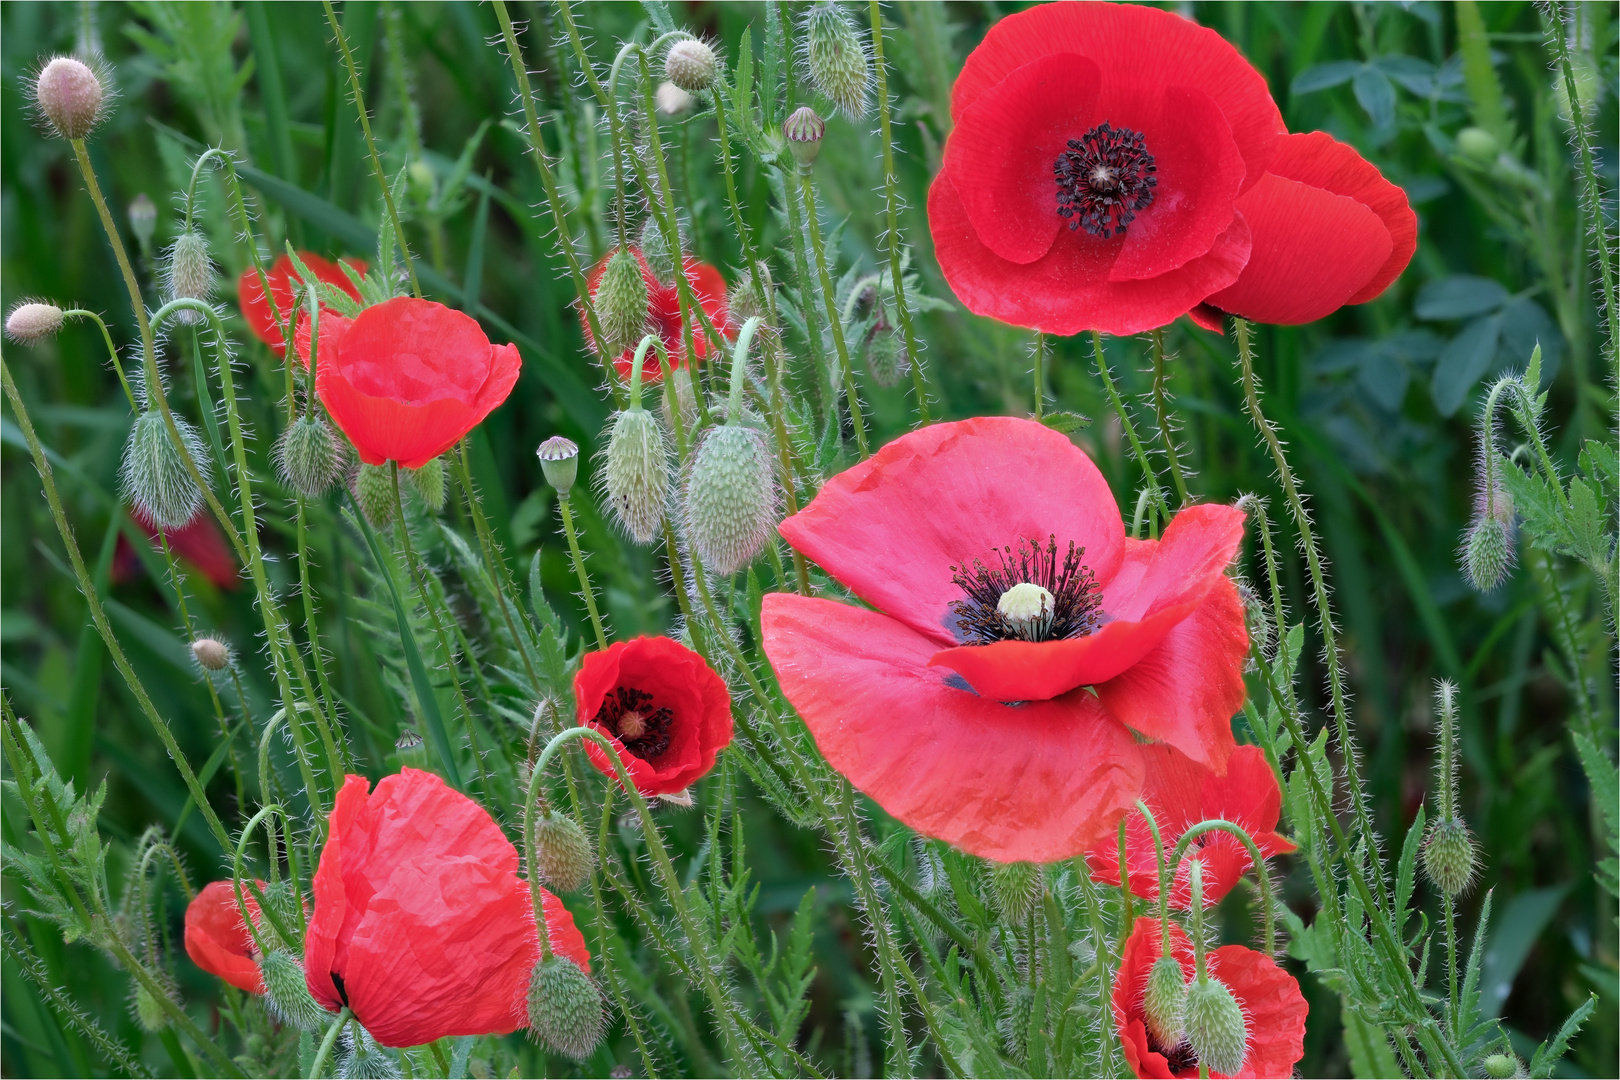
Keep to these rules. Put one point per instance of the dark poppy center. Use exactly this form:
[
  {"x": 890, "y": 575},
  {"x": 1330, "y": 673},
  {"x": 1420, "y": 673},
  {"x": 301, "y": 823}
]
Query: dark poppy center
[
  {"x": 1180, "y": 1059},
  {"x": 1032, "y": 596},
  {"x": 640, "y": 725},
  {"x": 1103, "y": 179}
]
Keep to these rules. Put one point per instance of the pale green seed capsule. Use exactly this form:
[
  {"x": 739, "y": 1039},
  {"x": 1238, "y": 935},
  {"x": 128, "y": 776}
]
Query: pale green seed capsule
[
  {"x": 143, "y": 219},
  {"x": 287, "y": 992},
  {"x": 1215, "y": 1026},
  {"x": 730, "y": 504},
  {"x": 835, "y": 58},
  {"x": 1501, "y": 1067},
  {"x": 559, "y": 462},
  {"x": 635, "y": 477},
  {"x": 562, "y": 852},
  {"x": 621, "y": 303},
  {"x": 1478, "y": 144},
  {"x": 1017, "y": 887},
  {"x": 307, "y": 457},
  {"x": 429, "y": 483},
  {"x": 374, "y": 492},
  {"x": 33, "y": 321},
  {"x": 1165, "y": 1002},
  {"x": 1448, "y": 856},
  {"x": 565, "y": 1008},
  {"x": 154, "y": 476},
  {"x": 691, "y": 65}
]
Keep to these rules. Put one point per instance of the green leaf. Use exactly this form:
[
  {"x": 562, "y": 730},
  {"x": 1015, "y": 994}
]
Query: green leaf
[
  {"x": 1536, "y": 502},
  {"x": 1376, "y": 94},
  {"x": 1322, "y": 76},
  {"x": 1525, "y": 917},
  {"x": 1371, "y": 1056},
  {"x": 1404, "y": 875},
  {"x": 742, "y": 101},
  {"x": 1548, "y": 1053},
  {"x": 1604, "y": 778},
  {"x": 1066, "y": 422},
  {"x": 771, "y": 64},
  {"x": 1467, "y": 358},
  {"x": 1461, "y": 296},
  {"x": 1586, "y": 526}
]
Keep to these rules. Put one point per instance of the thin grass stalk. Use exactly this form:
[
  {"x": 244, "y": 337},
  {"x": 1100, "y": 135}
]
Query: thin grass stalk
[
  {"x": 1161, "y": 418},
  {"x": 1149, "y": 477}
]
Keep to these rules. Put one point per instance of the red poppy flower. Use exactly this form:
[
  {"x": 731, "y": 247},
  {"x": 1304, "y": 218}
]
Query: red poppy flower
[
  {"x": 406, "y": 379},
  {"x": 665, "y": 709},
  {"x": 218, "y": 941},
  {"x": 664, "y": 314},
  {"x": 1273, "y": 1007},
  {"x": 256, "y": 308},
  {"x": 422, "y": 926},
  {"x": 942, "y": 709},
  {"x": 1328, "y": 229},
  {"x": 1091, "y": 181},
  {"x": 1181, "y": 793},
  {"x": 199, "y": 542}
]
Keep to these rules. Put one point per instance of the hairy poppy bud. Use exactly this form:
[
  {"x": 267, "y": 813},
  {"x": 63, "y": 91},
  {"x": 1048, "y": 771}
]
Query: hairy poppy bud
[
  {"x": 562, "y": 853},
  {"x": 189, "y": 274},
  {"x": 887, "y": 358},
  {"x": 748, "y": 300},
  {"x": 306, "y": 457},
  {"x": 363, "y": 1058},
  {"x": 636, "y": 476},
  {"x": 1165, "y": 1002},
  {"x": 211, "y": 654},
  {"x": 288, "y": 994},
  {"x": 429, "y": 483},
  {"x": 730, "y": 497},
  {"x": 1215, "y": 1026},
  {"x": 1448, "y": 856},
  {"x": 803, "y": 131},
  {"x": 154, "y": 474},
  {"x": 836, "y": 61},
  {"x": 691, "y": 65},
  {"x": 149, "y": 1011},
  {"x": 565, "y": 1008},
  {"x": 621, "y": 303},
  {"x": 659, "y": 259},
  {"x": 374, "y": 492},
  {"x": 70, "y": 96},
  {"x": 143, "y": 219},
  {"x": 1478, "y": 145},
  {"x": 559, "y": 461},
  {"x": 1488, "y": 552},
  {"x": 1501, "y": 1066},
  {"x": 32, "y": 321},
  {"x": 1017, "y": 887}
]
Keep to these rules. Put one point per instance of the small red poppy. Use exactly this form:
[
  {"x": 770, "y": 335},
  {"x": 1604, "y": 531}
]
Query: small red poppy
[
  {"x": 218, "y": 941},
  {"x": 1011, "y": 749},
  {"x": 198, "y": 541},
  {"x": 1181, "y": 793},
  {"x": 664, "y": 314},
  {"x": 1091, "y": 179},
  {"x": 406, "y": 379},
  {"x": 422, "y": 926},
  {"x": 256, "y": 308},
  {"x": 1273, "y": 1007},
  {"x": 665, "y": 709}
]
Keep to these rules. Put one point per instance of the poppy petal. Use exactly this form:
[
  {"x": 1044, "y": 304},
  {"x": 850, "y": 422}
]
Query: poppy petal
[
  {"x": 1272, "y": 1005},
  {"x": 217, "y": 940}
]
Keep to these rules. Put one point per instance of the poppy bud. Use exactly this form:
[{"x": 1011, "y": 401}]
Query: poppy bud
[
  {"x": 1165, "y": 1002},
  {"x": 730, "y": 497},
  {"x": 1478, "y": 145},
  {"x": 307, "y": 457},
  {"x": 1215, "y": 1026},
  {"x": 803, "y": 131},
  {"x": 149, "y": 1010},
  {"x": 374, "y": 492},
  {"x": 747, "y": 299},
  {"x": 562, "y": 852},
  {"x": 657, "y": 253},
  {"x": 1017, "y": 887},
  {"x": 33, "y": 321},
  {"x": 154, "y": 476},
  {"x": 1488, "y": 552},
  {"x": 211, "y": 654},
  {"x": 364, "y": 1057},
  {"x": 836, "y": 61},
  {"x": 429, "y": 483},
  {"x": 887, "y": 358},
  {"x": 70, "y": 96},
  {"x": 621, "y": 303},
  {"x": 559, "y": 461},
  {"x": 419, "y": 174},
  {"x": 1448, "y": 856},
  {"x": 143, "y": 219},
  {"x": 189, "y": 274},
  {"x": 1501, "y": 1066},
  {"x": 287, "y": 992},
  {"x": 691, "y": 65},
  {"x": 565, "y": 1008},
  {"x": 636, "y": 477}
]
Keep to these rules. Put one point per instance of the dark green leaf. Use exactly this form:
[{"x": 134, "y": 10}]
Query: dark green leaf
[
  {"x": 1464, "y": 361},
  {"x": 1376, "y": 94},
  {"x": 1322, "y": 76},
  {"x": 1458, "y": 297}
]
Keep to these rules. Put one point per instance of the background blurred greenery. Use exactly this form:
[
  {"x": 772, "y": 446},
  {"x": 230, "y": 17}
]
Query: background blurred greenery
[{"x": 1376, "y": 403}]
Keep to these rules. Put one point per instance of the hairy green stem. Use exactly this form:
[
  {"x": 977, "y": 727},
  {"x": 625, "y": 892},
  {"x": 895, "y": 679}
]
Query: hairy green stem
[
  {"x": 579, "y": 568},
  {"x": 812, "y": 219},
  {"x": 1161, "y": 418},
  {"x": 1149, "y": 477}
]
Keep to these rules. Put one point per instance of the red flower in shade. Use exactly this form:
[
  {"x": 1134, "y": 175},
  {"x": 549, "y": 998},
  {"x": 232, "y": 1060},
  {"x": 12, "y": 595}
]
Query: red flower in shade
[
  {"x": 664, "y": 314},
  {"x": 1092, "y": 179},
  {"x": 665, "y": 709},
  {"x": 1273, "y": 1007},
  {"x": 256, "y": 308},
  {"x": 408, "y": 378},
  {"x": 938, "y": 706},
  {"x": 199, "y": 542},
  {"x": 1181, "y": 793},
  {"x": 422, "y": 926},
  {"x": 218, "y": 941},
  {"x": 1328, "y": 230}
]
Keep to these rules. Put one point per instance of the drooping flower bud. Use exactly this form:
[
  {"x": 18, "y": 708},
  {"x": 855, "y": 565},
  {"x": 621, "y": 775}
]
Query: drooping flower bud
[
  {"x": 1488, "y": 552},
  {"x": 1215, "y": 1026},
  {"x": 621, "y": 303},
  {"x": 143, "y": 220},
  {"x": 691, "y": 65},
  {"x": 1165, "y": 1002},
  {"x": 1448, "y": 856},
  {"x": 747, "y": 299},
  {"x": 33, "y": 321},
  {"x": 363, "y": 1058},
  {"x": 653, "y": 248},
  {"x": 423, "y": 183},
  {"x": 1477, "y": 144},
  {"x": 559, "y": 461},
  {"x": 635, "y": 478},
  {"x": 1017, "y": 887},
  {"x": 565, "y": 1008},
  {"x": 835, "y": 59},
  {"x": 211, "y": 654},
  {"x": 306, "y": 456},
  {"x": 287, "y": 993},
  {"x": 70, "y": 95},
  {"x": 887, "y": 358},
  {"x": 154, "y": 476},
  {"x": 429, "y": 483},
  {"x": 803, "y": 131},
  {"x": 189, "y": 273},
  {"x": 374, "y": 492},
  {"x": 562, "y": 852},
  {"x": 730, "y": 497}
]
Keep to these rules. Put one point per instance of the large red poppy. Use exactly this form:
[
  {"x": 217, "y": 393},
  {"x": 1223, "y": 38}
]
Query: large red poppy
[
  {"x": 664, "y": 314},
  {"x": 217, "y": 940},
  {"x": 1273, "y": 1007},
  {"x": 256, "y": 309},
  {"x": 406, "y": 379},
  {"x": 1015, "y": 749},
  {"x": 422, "y": 926},
  {"x": 1092, "y": 178},
  {"x": 1181, "y": 793},
  {"x": 667, "y": 712}
]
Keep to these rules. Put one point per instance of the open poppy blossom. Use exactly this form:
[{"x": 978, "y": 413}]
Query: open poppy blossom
[
  {"x": 665, "y": 709},
  {"x": 664, "y": 315},
  {"x": 282, "y": 275},
  {"x": 422, "y": 926},
  {"x": 1274, "y": 1010},
  {"x": 218, "y": 941},
  {"x": 1092, "y": 179},
  {"x": 1181, "y": 793},
  {"x": 1020, "y": 638},
  {"x": 407, "y": 378}
]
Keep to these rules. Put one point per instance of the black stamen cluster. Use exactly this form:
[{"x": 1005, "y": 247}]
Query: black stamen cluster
[
  {"x": 1180, "y": 1059},
  {"x": 1076, "y": 600},
  {"x": 654, "y": 738},
  {"x": 1103, "y": 179}
]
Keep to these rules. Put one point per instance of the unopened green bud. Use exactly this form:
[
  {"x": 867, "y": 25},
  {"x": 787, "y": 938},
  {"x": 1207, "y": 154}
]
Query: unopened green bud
[
  {"x": 429, "y": 483},
  {"x": 562, "y": 853},
  {"x": 657, "y": 253},
  {"x": 1477, "y": 144},
  {"x": 747, "y": 299},
  {"x": 143, "y": 219},
  {"x": 374, "y": 492},
  {"x": 307, "y": 457},
  {"x": 887, "y": 358},
  {"x": 1488, "y": 547},
  {"x": 621, "y": 303},
  {"x": 189, "y": 273},
  {"x": 287, "y": 992},
  {"x": 636, "y": 476},
  {"x": 730, "y": 498},
  {"x": 154, "y": 476},
  {"x": 1018, "y": 888},
  {"x": 420, "y": 176},
  {"x": 559, "y": 461},
  {"x": 70, "y": 95},
  {"x": 1215, "y": 1026},
  {"x": 691, "y": 65},
  {"x": 149, "y": 1011},
  {"x": 363, "y": 1058},
  {"x": 1501, "y": 1066},
  {"x": 565, "y": 1008},
  {"x": 835, "y": 59},
  {"x": 1448, "y": 856},
  {"x": 33, "y": 321},
  {"x": 211, "y": 654},
  {"x": 803, "y": 131},
  {"x": 1165, "y": 1002}
]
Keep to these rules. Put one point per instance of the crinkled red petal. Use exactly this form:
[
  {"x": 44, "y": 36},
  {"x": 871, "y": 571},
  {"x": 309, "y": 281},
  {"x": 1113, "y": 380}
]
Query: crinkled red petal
[
  {"x": 256, "y": 311},
  {"x": 217, "y": 940}
]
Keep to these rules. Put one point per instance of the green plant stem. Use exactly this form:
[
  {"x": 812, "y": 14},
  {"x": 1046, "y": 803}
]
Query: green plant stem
[
  {"x": 1040, "y": 374},
  {"x": 807, "y": 186},
  {"x": 1219, "y": 825},
  {"x": 1161, "y": 416},
  {"x": 898, "y": 1051},
  {"x": 492, "y": 558},
  {"x": 326, "y": 1043},
  {"x": 1149, "y": 477},
  {"x": 1166, "y": 879},
  {"x": 312, "y": 630},
  {"x": 744, "y": 237},
  {"x": 579, "y": 568},
  {"x": 112, "y": 352}
]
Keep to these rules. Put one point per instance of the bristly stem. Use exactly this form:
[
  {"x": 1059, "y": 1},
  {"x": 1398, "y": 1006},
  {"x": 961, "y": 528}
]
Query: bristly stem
[
  {"x": 1149, "y": 477},
  {"x": 1161, "y": 417},
  {"x": 579, "y": 568},
  {"x": 813, "y": 222},
  {"x": 1040, "y": 373}
]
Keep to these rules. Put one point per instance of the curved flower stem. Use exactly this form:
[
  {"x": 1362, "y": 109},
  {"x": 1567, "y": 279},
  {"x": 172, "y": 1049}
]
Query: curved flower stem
[
  {"x": 1127, "y": 914},
  {"x": 1149, "y": 477},
  {"x": 1165, "y": 878},
  {"x": 813, "y": 221},
  {"x": 325, "y": 1048},
  {"x": 1161, "y": 418},
  {"x": 312, "y": 630},
  {"x": 265, "y": 910},
  {"x": 579, "y": 568},
  {"x": 1099, "y": 937},
  {"x": 112, "y": 351},
  {"x": 1222, "y": 825}
]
